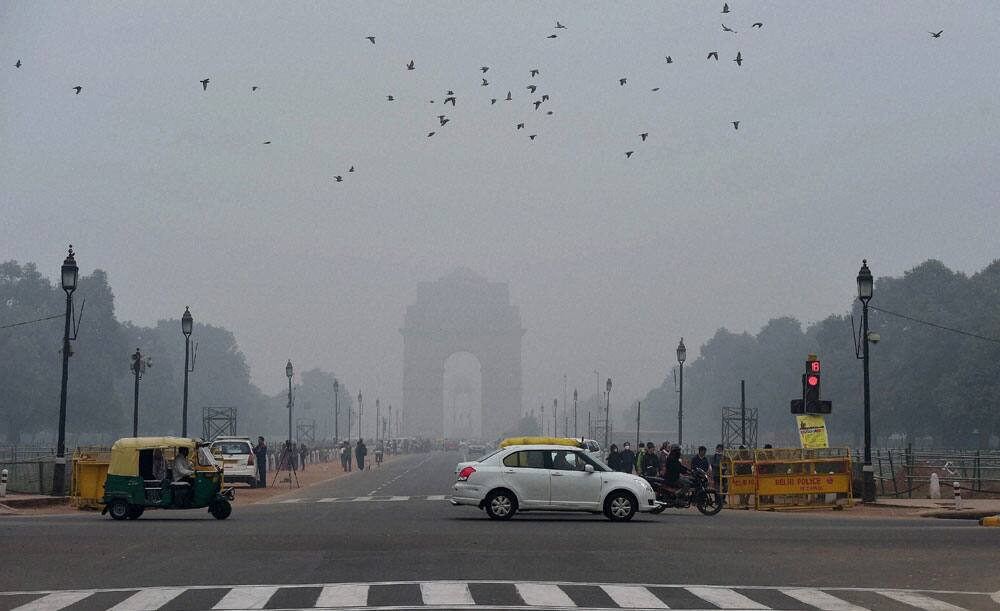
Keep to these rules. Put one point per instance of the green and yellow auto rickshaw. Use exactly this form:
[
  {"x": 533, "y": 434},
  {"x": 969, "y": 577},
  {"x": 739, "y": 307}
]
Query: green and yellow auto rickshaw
[{"x": 164, "y": 473}]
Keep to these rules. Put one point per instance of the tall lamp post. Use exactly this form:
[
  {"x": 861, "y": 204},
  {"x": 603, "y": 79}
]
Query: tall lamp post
[
  {"x": 361, "y": 411},
  {"x": 70, "y": 275},
  {"x": 681, "y": 357},
  {"x": 289, "y": 372},
  {"x": 607, "y": 412},
  {"x": 866, "y": 289},
  {"x": 336, "y": 410},
  {"x": 187, "y": 326},
  {"x": 378, "y": 422},
  {"x": 555, "y": 417},
  {"x": 139, "y": 365},
  {"x": 575, "y": 421}
]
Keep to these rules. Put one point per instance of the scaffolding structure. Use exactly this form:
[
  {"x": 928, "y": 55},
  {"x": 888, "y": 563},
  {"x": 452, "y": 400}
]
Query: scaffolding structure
[
  {"x": 305, "y": 431},
  {"x": 218, "y": 422},
  {"x": 739, "y": 427}
]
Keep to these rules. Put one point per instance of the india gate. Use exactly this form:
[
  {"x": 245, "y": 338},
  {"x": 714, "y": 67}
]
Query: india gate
[{"x": 462, "y": 358}]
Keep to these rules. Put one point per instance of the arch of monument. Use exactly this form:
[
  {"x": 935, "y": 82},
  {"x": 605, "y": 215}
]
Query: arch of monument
[{"x": 462, "y": 312}]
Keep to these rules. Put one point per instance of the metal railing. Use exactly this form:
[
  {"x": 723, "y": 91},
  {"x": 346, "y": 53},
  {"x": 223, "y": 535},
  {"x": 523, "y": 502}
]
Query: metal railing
[{"x": 906, "y": 472}]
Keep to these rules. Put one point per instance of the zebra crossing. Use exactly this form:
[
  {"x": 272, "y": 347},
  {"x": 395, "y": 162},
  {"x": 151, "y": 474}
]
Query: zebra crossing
[
  {"x": 365, "y": 499},
  {"x": 495, "y": 595}
]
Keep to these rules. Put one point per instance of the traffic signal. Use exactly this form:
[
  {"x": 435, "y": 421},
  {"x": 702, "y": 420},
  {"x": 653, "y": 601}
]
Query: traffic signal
[{"x": 810, "y": 386}]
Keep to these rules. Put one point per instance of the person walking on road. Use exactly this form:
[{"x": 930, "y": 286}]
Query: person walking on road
[
  {"x": 614, "y": 458},
  {"x": 360, "y": 451},
  {"x": 628, "y": 458},
  {"x": 345, "y": 456},
  {"x": 260, "y": 457}
]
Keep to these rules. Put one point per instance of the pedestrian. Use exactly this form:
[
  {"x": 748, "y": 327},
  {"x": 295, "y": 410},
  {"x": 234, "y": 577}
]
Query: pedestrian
[
  {"x": 260, "y": 456},
  {"x": 700, "y": 460},
  {"x": 640, "y": 455},
  {"x": 614, "y": 458},
  {"x": 379, "y": 453},
  {"x": 360, "y": 451},
  {"x": 343, "y": 456},
  {"x": 303, "y": 454},
  {"x": 650, "y": 461},
  {"x": 628, "y": 458},
  {"x": 716, "y": 464}
]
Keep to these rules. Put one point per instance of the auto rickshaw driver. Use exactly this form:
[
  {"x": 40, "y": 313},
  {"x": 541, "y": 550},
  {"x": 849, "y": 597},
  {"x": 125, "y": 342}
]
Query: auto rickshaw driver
[{"x": 182, "y": 472}]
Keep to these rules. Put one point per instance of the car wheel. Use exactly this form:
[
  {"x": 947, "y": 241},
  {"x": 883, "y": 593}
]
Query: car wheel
[
  {"x": 134, "y": 511},
  {"x": 620, "y": 506},
  {"x": 500, "y": 505},
  {"x": 118, "y": 509},
  {"x": 220, "y": 510}
]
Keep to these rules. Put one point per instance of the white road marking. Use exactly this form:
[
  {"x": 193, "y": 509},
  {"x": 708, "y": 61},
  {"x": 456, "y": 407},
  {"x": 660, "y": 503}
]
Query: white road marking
[
  {"x": 634, "y": 597},
  {"x": 919, "y": 601},
  {"x": 543, "y": 595},
  {"x": 343, "y": 595},
  {"x": 291, "y": 501},
  {"x": 446, "y": 594},
  {"x": 54, "y": 601},
  {"x": 436, "y": 497},
  {"x": 400, "y": 498},
  {"x": 331, "y": 499},
  {"x": 821, "y": 600},
  {"x": 148, "y": 600},
  {"x": 724, "y": 598},
  {"x": 247, "y": 597},
  {"x": 363, "y": 498}
]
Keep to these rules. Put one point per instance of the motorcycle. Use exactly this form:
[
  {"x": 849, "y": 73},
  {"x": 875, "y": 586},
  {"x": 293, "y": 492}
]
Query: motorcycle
[{"x": 707, "y": 499}]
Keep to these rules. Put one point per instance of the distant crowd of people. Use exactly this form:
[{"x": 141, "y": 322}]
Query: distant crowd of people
[{"x": 291, "y": 456}]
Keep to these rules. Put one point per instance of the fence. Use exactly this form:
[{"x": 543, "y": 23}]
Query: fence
[
  {"x": 30, "y": 468},
  {"x": 907, "y": 472},
  {"x": 787, "y": 478}
]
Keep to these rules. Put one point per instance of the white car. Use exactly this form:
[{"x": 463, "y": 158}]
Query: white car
[
  {"x": 238, "y": 463},
  {"x": 551, "y": 478}
]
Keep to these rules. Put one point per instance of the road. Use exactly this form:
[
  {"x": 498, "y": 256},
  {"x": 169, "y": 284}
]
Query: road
[{"x": 390, "y": 530}]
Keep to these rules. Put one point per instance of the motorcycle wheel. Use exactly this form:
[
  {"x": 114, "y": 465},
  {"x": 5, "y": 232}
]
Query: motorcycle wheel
[{"x": 709, "y": 503}]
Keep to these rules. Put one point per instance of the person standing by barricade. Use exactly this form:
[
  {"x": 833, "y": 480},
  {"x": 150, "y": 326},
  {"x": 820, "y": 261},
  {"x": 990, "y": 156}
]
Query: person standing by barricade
[
  {"x": 628, "y": 458},
  {"x": 260, "y": 457}
]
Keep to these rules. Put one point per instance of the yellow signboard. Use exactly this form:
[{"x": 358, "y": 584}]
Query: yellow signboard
[
  {"x": 812, "y": 431},
  {"x": 803, "y": 484}
]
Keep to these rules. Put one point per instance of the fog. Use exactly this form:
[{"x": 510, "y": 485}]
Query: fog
[{"x": 859, "y": 135}]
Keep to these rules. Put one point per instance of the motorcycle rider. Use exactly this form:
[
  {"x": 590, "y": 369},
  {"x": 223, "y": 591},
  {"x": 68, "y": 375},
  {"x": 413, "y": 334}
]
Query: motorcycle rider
[{"x": 674, "y": 472}]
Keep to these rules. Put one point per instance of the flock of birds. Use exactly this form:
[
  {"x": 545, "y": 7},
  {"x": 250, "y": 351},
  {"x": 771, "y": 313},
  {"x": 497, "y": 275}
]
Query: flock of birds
[{"x": 451, "y": 97}]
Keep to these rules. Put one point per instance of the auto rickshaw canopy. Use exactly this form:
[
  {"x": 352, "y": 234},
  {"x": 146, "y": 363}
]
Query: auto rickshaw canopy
[{"x": 125, "y": 451}]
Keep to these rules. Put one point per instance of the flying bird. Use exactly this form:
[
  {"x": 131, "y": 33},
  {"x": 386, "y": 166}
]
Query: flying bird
[
  {"x": 450, "y": 92},
  {"x": 552, "y": 36},
  {"x": 644, "y": 135},
  {"x": 351, "y": 170},
  {"x": 628, "y": 154},
  {"x": 655, "y": 89},
  {"x": 725, "y": 8},
  {"x": 485, "y": 83},
  {"x": 508, "y": 96},
  {"x": 390, "y": 98},
  {"x": 936, "y": 34},
  {"x": 534, "y": 72},
  {"x": 371, "y": 38},
  {"x": 451, "y": 99},
  {"x": 267, "y": 142},
  {"x": 560, "y": 26},
  {"x": 545, "y": 97},
  {"x": 410, "y": 66},
  {"x": 520, "y": 126},
  {"x": 622, "y": 81},
  {"x": 484, "y": 69},
  {"x": 670, "y": 60},
  {"x": 532, "y": 136},
  {"x": 532, "y": 88},
  {"x": 78, "y": 89},
  {"x": 204, "y": 85},
  {"x": 339, "y": 178},
  {"x": 758, "y": 25},
  {"x": 726, "y": 29},
  {"x": 430, "y": 134},
  {"x": 713, "y": 54},
  {"x": 537, "y": 104},
  {"x": 254, "y": 88},
  {"x": 739, "y": 59},
  {"x": 548, "y": 112},
  {"x": 443, "y": 121},
  {"x": 493, "y": 101},
  {"x": 18, "y": 64},
  {"x": 736, "y": 124}
]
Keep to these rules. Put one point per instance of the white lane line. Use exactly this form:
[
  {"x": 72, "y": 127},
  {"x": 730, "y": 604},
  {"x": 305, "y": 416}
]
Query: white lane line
[
  {"x": 148, "y": 600},
  {"x": 331, "y": 499},
  {"x": 54, "y": 601},
  {"x": 292, "y": 501},
  {"x": 246, "y": 597},
  {"x": 399, "y": 498},
  {"x": 343, "y": 595},
  {"x": 724, "y": 598},
  {"x": 436, "y": 497},
  {"x": 543, "y": 595},
  {"x": 362, "y": 498},
  {"x": 821, "y": 600},
  {"x": 920, "y": 601},
  {"x": 446, "y": 594},
  {"x": 634, "y": 597}
]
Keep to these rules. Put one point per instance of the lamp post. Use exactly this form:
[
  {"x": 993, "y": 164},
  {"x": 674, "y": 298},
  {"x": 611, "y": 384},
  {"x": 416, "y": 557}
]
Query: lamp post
[
  {"x": 336, "y": 410},
  {"x": 70, "y": 275},
  {"x": 575, "y": 421},
  {"x": 681, "y": 357},
  {"x": 289, "y": 372},
  {"x": 542, "y": 417},
  {"x": 607, "y": 412},
  {"x": 361, "y": 410},
  {"x": 389, "y": 429},
  {"x": 555, "y": 417},
  {"x": 378, "y": 422},
  {"x": 187, "y": 326},
  {"x": 139, "y": 365},
  {"x": 866, "y": 289}
]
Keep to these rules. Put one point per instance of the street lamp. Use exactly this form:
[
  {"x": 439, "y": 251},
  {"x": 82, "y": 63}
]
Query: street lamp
[
  {"x": 555, "y": 417},
  {"x": 70, "y": 275},
  {"x": 289, "y": 372},
  {"x": 866, "y": 289},
  {"x": 336, "y": 410},
  {"x": 361, "y": 410},
  {"x": 377, "y": 421},
  {"x": 681, "y": 357},
  {"x": 187, "y": 326},
  {"x": 607, "y": 413},
  {"x": 139, "y": 365},
  {"x": 575, "y": 421}
]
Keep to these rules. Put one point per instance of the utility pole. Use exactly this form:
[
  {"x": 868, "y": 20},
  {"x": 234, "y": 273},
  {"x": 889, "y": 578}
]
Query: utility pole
[
  {"x": 336, "y": 409},
  {"x": 743, "y": 411}
]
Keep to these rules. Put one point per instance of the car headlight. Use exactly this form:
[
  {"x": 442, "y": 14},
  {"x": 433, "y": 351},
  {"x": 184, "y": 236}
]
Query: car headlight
[{"x": 646, "y": 486}]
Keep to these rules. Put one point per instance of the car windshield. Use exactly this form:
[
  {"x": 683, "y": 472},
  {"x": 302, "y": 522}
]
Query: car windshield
[
  {"x": 485, "y": 456},
  {"x": 232, "y": 447},
  {"x": 599, "y": 465}
]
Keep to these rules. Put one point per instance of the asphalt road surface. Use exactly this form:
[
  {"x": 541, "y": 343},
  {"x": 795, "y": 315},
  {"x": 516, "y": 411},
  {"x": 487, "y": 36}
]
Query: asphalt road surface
[{"x": 388, "y": 539}]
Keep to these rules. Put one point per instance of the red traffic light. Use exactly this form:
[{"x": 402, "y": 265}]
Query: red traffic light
[
  {"x": 812, "y": 380},
  {"x": 812, "y": 366}
]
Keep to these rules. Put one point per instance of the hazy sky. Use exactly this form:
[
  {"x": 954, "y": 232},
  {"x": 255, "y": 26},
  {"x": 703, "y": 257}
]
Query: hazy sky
[{"x": 859, "y": 136}]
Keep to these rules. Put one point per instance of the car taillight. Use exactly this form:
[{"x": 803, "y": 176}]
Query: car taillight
[
  {"x": 464, "y": 474},
  {"x": 250, "y": 460}
]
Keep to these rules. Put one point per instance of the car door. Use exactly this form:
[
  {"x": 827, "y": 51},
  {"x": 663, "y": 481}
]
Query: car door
[
  {"x": 571, "y": 485},
  {"x": 524, "y": 472}
]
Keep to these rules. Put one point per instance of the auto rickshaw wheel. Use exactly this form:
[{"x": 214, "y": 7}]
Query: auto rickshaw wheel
[
  {"x": 134, "y": 511},
  {"x": 119, "y": 509},
  {"x": 220, "y": 510}
]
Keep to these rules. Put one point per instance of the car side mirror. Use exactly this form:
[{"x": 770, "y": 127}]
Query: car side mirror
[{"x": 588, "y": 468}]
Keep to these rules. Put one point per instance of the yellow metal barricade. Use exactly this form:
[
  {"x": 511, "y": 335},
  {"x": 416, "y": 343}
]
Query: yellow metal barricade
[
  {"x": 737, "y": 479},
  {"x": 797, "y": 478},
  {"x": 90, "y": 469}
]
